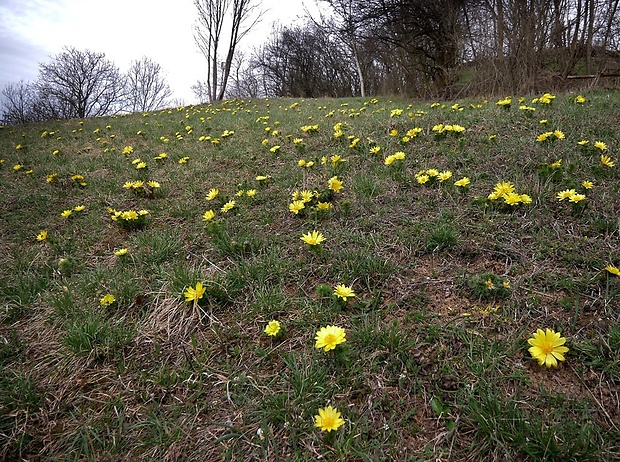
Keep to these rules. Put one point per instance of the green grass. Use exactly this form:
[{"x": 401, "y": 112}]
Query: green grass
[{"x": 448, "y": 283}]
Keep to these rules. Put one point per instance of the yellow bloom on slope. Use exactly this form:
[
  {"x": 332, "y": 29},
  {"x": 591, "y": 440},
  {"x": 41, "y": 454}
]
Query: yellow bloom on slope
[
  {"x": 606, "y": 160},
  {"x": 547, "y": 347},
  {"x": 328, "y": 419},
  {"x": 121, "y": 252},
  {"x": 296, "y": 206},
  {"x": 344, "y": 292},
  {"x": 502, "y": 189},
  {"x": 577, "y": 198},
  {"x": 208, "y": 215},
  {"x": 313, "y": 238},
  {"x": 334, "y": 184},
  {"x": 579, "y": 99},
  {"x": 329, "y": 337},
  {"x": 462, "y": 182},
  {"x": 613, "y": 270},
  {"x": 194, "y": 294},
  {"x": 42, "y": 235},
  {"x": 587, "y": 184},
  {"x": 213, "y": 192},
  {"x": 66, "y": 213},
  {"x": 600, "y": 145},
  {"x": 107, "y": 300},
  {"x": 566, "y": 194},
  {"x": 227, "y": 206},
  {"x": 272, "y": 329}
]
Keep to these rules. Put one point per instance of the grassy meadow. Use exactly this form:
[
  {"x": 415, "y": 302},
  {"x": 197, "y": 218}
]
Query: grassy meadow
[{"x": 135, "y": 297}]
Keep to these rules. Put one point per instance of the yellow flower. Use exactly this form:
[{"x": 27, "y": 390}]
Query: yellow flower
[
  {"x": 502, "y": 189},
  {"x": 606, "y": 160},
  {"x": 334, "y": 184},
  {"x": 375, "y": 149},
  {"x": 296, "y": 206},
  {"x": 306, "y": 195},
  {"x": 587, "y": 184},
  {"x": 577, "y": 198},
  {"x": 213, "y": 192},
  {"x": 240, "y": 193},
  {"x": 328, "y": 419},
  {"x": 389, "y": 160},
  {"x": 343, "y": 292},
  {"x": 107, "y": 300},
  {"x": 42, "y": 235},
  {"x": 579, "y": 99},
  {"x": 313, "y": 238},
  {"x": 600, "y": 145},
  {"x": 208, "y": 215},
  {"x": 566, "y": 194},
  {"x": 512, "y": 198},
  {"x": 462, "y": 182},
  {"x": 329, "y": 337},
  {"x": 194, "y": 294},
  {"x": 153, "y": 184},
  {"x": 422, "y": 178},
  {"x": 272, "y": 329},
  {"x": 559, "y": 134},
  {"x": 127, "y": 150},
  {"x": 129, "y": 215},
  {"x": 323, "y": 206},
  {"x": 556, "y": 164},
  {"x": 121, "y": 252},
  {"x": 443, "y": 176},
  {"x": 526, "y": 199},
  {"x": 583, "y": 142},
  {"x": 227, "y": 206},
  {"x": 274, "y": 148},
  {"x": 250, "y": 192},
  {"x": 547, "y": 347},
  {"x": 79, "y": 208},
  {"x": 613, "y": 270},
  {"x": 66, "y": 213}
]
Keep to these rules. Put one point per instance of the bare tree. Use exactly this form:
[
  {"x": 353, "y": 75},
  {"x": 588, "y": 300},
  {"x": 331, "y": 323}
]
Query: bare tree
[
  {"x": 147, "y": 89},
  {"x": 81, "y": 84},
  {"x": 345, "y": 24},
  {"x": 212, "y": 15},
  {"x": 18, "y": 101}
]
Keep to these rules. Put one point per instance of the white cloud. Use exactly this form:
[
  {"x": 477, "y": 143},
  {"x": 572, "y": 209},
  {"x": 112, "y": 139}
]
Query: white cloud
[{"x": 34, "y": 30}]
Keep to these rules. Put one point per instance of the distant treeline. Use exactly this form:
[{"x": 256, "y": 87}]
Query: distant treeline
[{"x": 438, "y": 49}]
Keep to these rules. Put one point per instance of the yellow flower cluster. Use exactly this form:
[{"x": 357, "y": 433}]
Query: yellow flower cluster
[{"x": 505, "y": 190}]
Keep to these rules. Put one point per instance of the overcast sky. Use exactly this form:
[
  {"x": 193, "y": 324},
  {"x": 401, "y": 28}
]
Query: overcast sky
[{"x": 32, "y": 31}]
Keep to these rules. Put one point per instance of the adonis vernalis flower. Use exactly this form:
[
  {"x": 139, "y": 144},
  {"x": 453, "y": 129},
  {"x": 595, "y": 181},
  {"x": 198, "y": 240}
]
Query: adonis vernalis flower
[
  {"x": 313, "y": 238},
  {"x": 328, "y": 419},
  {"x": 613, "y": 270},
  {"x": 329, "y": 337},
  {"x": 273, "y": 328},
  {"x": 344, "y": 292},
  {"x": 194, "y": 294},
  {"x": 607, "y": 161},
  {"x": 547, "y": 347},
  {"x": 107, "y": 300}
]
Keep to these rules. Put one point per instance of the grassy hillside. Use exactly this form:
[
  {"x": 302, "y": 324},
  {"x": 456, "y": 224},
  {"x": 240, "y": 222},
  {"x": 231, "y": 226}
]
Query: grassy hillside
[{"x": 110, "y": 224}]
